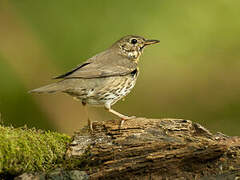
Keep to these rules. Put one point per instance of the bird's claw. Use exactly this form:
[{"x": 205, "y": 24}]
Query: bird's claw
[
  {"x": 127, "y": 117},
  {"x": 123, "y": 119}
]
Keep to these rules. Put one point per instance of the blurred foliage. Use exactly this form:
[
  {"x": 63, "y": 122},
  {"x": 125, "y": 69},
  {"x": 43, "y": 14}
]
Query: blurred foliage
[
  {"x": 193, "y": 73},
  {"x": 16, "y": 105}
]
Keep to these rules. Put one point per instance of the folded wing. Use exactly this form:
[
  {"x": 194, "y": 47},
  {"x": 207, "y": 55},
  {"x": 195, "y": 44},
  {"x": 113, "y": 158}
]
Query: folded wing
[{"x": 104, "y": 64}]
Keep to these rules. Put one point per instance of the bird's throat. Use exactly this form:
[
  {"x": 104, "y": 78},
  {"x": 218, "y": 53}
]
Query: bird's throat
[{"x": 134, "y": 55}]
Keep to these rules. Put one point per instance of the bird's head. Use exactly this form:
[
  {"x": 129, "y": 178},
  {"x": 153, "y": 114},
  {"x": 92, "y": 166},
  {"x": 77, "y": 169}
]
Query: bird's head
[{"x": 132, "y": 46}]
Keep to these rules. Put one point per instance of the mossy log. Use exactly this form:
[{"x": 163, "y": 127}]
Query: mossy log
[{"x": 149, "y": 149}]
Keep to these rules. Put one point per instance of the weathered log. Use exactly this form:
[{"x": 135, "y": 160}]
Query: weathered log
[
  {"x": 154, "y": 149},
  {"x": 147, "y": 149}
]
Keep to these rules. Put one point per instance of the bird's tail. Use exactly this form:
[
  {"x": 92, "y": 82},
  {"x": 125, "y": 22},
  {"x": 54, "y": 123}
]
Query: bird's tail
[{"x": 51, "y": 88}]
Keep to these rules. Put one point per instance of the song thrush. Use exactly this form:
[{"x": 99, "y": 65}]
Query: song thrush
[{"x": 106, "y": 77}]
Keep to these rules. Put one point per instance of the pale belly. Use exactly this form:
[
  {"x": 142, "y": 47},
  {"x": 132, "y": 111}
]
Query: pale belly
[
  {"x": 114, "y": 94},
  {"x": 101, "y": 91}
]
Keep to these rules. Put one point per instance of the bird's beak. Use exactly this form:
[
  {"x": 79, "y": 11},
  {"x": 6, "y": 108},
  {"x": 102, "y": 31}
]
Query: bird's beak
[{"x": 149, "y": 42}]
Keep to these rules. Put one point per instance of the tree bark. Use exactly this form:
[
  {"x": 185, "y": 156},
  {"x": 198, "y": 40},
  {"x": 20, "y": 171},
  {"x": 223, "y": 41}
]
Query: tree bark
[
  {"x": 154, "y": 149},
  {"x": 147, "y": 149}
]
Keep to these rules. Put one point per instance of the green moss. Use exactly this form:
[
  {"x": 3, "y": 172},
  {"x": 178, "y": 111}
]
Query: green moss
[{"x": 28, "y": 150}]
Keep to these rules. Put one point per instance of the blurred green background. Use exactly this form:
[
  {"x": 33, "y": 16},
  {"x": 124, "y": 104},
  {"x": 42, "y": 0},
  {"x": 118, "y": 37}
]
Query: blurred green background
[{"x": 194, "y": 73}]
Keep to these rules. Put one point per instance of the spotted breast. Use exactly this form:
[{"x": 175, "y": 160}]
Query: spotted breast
[
  {"x": 101, "y": 91},
  {"x": 119, "y": 88}
]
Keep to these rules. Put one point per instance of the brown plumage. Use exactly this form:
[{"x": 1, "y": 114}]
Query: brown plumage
[{"x": 106, "y": 77}]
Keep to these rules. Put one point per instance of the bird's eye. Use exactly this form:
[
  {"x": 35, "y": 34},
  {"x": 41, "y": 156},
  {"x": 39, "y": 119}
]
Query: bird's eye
[{"x": 133, "y": 41}]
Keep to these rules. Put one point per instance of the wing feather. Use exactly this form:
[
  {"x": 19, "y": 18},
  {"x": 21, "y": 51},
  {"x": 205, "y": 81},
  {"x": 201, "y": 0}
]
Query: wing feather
[
  {"x": 105, "y": 64},
  {"x": 71, "y": 72}
]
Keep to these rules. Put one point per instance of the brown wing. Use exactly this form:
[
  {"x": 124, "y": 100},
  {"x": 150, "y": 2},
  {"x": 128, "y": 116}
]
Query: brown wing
[
  {"x": 107, "y": 63},
  {"x": 71, "y": 72}
]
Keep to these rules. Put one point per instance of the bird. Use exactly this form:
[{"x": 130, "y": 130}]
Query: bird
[{"x": 105, "y": 78}]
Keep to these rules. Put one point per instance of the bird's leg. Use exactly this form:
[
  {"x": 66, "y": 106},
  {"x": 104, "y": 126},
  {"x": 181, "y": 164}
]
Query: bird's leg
[
  {"x": 89, "y": 121},
  {"x": 123, "y": 117}
]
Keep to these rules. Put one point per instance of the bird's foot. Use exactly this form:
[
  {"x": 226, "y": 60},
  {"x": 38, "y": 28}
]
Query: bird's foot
[
  {"x": 128, "y": 117},
  {"x": 125, "y": 118}
]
